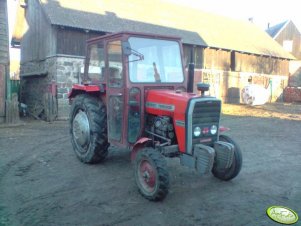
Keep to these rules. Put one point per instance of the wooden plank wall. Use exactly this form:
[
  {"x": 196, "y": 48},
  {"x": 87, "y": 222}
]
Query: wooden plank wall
[
  {"x": 39, "y": 40},
  {"x": 4, "y": 60},
  {"x": 3, "y": 33},
  {"x": 73, "y": 41},
  {"x": 217, "y": 59},
  {"x": 2, "y": 90},
  {"x": 261, "y": 64},
  {"x": 206, "y": 58},
  {"x": 291, "y": 33}
]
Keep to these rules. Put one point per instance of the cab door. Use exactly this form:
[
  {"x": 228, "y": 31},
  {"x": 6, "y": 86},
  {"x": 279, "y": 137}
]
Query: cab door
[{"x": 115, "y": 92}]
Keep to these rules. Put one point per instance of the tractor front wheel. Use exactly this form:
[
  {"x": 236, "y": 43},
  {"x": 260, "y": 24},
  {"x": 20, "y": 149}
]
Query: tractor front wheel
[
  {"x": 233, "y": 171},
  {"x": 88, "y": 129},
  {"x": 151, "y": 174}
]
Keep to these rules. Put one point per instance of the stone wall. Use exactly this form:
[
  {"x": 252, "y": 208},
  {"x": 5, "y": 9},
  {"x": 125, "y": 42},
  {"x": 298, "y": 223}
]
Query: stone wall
[
  {"x": 46, "y": 90},
  {"x": 35, "y": 88},
  {"x": 68, "y": 71}
]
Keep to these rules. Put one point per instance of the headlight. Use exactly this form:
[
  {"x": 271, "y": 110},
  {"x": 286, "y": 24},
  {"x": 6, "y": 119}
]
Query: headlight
[
  {"x": 197, "y": 131},
  {"x": 213, "y": 129}
]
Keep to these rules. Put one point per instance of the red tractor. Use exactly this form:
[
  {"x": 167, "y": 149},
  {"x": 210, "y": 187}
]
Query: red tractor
[{"x": 134, "y": 94}]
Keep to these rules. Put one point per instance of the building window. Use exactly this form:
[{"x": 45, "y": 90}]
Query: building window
[{"x": 288, "y": 45}]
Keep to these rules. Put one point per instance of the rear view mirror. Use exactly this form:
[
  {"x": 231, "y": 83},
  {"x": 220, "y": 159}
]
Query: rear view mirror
[{"x": 126, "y": 48}]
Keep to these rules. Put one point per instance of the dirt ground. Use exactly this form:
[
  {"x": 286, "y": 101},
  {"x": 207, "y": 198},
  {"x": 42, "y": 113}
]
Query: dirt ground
[{"x": 43, "y": 183}]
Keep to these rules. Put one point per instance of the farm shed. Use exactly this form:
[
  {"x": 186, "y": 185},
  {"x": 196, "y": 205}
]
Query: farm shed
[
  {"x": 288, "y": 35},
  {"x": 226, "y": 52}
]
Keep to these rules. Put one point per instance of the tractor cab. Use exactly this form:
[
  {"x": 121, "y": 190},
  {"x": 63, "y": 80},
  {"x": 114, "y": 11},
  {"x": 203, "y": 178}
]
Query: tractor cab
[
  {"x": 125, "y": 66},
  {"x": 134, "y": 93}
]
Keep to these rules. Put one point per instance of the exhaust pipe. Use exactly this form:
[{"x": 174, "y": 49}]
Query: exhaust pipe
[{"x": 190, "y": 78}]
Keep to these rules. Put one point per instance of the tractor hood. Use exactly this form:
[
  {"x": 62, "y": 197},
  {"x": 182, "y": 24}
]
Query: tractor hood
[{"x": 167, "y": 102}]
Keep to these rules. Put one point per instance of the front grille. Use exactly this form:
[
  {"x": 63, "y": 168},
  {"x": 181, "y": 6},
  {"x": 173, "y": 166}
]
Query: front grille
[
  {"x": 205, "y": 114},
  {"x": 202, "y": 112}
]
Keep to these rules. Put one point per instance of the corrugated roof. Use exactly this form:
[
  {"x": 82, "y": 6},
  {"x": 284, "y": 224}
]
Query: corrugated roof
[
  {"x": 274, "y": 30},
  {"x": 158, "y": 16}
]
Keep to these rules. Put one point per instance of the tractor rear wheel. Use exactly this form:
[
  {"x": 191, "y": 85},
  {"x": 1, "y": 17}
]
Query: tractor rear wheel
[
  {"x": 88, "y": 129},
  {"x": 151, "y": 174},
  {"x": 233, "y": 171}
]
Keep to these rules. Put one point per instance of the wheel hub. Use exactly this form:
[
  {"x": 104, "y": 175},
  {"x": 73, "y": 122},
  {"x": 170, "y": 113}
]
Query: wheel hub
[
  {"x": 81, "y": 129},
  {"x": 147, "y": 176}
]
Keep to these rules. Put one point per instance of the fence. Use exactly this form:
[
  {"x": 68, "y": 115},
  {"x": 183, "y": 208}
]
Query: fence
[
  {"x": 12, "y": 101},
  {"x": 14, "y": 87}
]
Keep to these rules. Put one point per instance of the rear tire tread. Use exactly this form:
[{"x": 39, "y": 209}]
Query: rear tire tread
[{"x": 96, "y": 112}]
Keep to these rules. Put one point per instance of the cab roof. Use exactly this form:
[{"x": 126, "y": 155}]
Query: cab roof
[{"x": 136, "y": 34}]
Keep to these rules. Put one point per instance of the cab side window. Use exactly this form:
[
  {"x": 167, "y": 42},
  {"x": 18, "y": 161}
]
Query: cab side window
[
  {"x": 96, "y": 63},
  {"x": 115, "y": 64}
]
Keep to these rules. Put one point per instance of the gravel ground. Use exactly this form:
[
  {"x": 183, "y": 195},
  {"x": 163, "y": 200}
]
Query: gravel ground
[{"x": 43, "y": 183}]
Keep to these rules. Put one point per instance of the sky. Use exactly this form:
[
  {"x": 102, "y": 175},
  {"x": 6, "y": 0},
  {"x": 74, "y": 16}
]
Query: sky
[{"x": 262, "y": 11}]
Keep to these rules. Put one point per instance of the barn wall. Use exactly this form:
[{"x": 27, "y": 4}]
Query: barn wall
[
  {"x": 228, "y": 72},
  {"x": 290, "y": 32},
  {"x": 37, "y": 93},
  {"x": 260, "y": 64},
  {"x": 205, "y": 58},
  {"x": 50, "y": 58},
  {"x": 4, "y": 56},
  {"x": 217, "y": 59},
  {"x": 68, "y": 73},
  {"x": 39, "y": 39},
  {"x": 227, "y": 85},
  {"x": 47, "y": 96},
  {"x": 73, "y": 41},
  {"x": 3, "y": 71}
]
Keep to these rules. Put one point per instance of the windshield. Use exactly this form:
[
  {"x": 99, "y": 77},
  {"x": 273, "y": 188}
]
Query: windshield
[{"x": 161, "y": 61}]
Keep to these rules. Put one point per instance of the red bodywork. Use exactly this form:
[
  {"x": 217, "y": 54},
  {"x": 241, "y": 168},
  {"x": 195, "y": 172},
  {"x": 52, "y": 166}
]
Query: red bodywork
[
  {"x": 173, "y": 104},
  {"x": 77, "y": 88}
]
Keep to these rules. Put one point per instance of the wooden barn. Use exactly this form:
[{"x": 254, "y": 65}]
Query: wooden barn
[
  {"x": 288, "y": 36},
  {"x": 226, "y": 52},
  {"x": 4, "y": 57}
]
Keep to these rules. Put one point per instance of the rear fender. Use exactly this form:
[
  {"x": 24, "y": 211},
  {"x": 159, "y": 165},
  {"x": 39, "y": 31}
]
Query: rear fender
[
  {"x": 140, "y": 144},
  {"x": 90, "y": 89}
]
